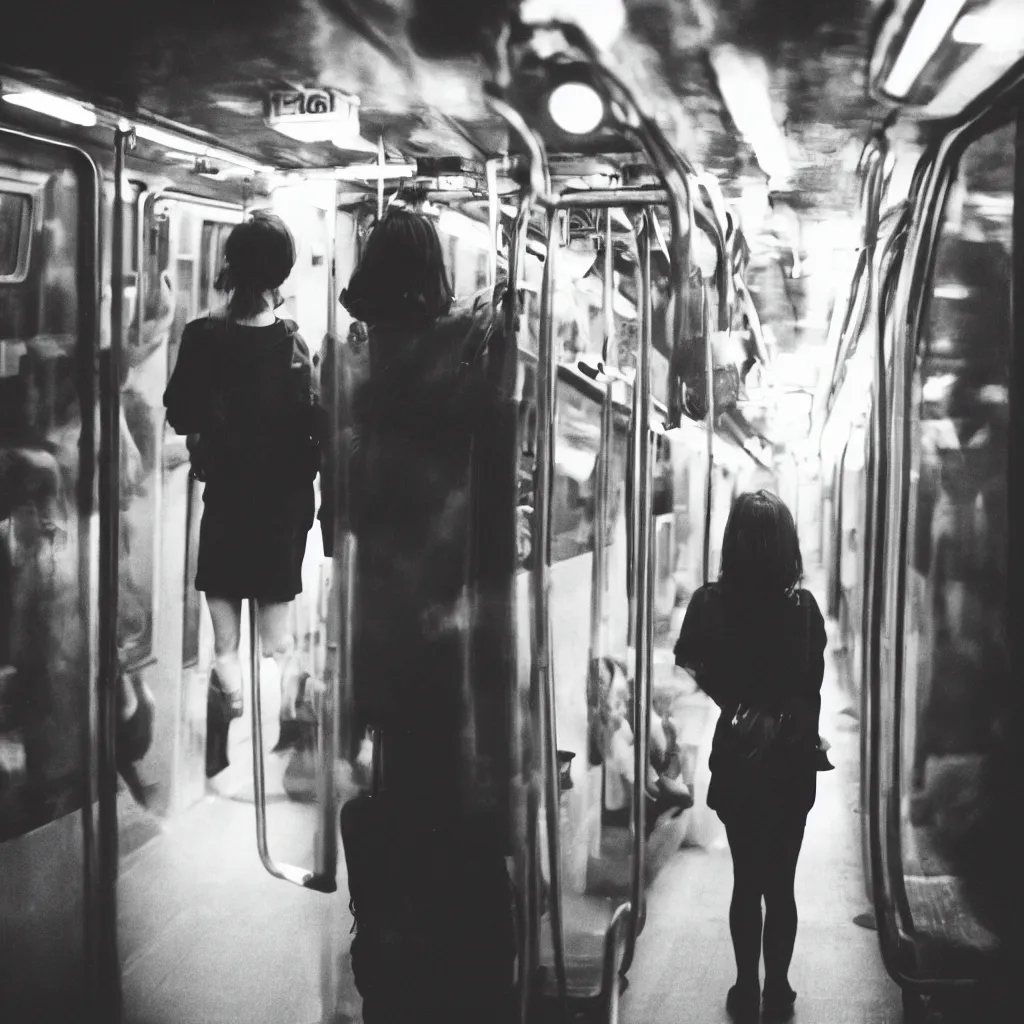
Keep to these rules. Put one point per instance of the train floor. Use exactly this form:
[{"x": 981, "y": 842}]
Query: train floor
[
  {"x": 208, "y": 937},
  {"x": 684, "y": 963}
]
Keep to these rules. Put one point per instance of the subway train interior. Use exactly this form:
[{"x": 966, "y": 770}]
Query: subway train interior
[{"x": 721, "y": 245}]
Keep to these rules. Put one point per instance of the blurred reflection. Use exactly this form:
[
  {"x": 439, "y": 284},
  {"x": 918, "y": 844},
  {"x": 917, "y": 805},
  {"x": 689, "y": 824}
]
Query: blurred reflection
[
  {"x": 957, "y": 668},
  {"x": 143, "y": 379},
  {"x": 43, "y": 649},
  {"x": 612, "y": 740}
]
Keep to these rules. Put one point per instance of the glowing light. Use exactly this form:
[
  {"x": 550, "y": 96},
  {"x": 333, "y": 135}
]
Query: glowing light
[
  {"x": 371, "y": 172},
  {"x": 181, "y": 145},
  {"x": 602, "y": 20},
  {"x": 1000, "y": 25},
  {"x": 743, "y": 81},
  {"x": 325, "y": 131},
  {"x": 576, "y": 108},
  {"x": 930, "y": 26},
  {"x": 53, "y": 106},
  {"x": 455, "y": 224}
]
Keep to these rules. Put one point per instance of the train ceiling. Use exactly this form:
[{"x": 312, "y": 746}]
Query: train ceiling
[
  {"x": 714, "y": 73},
  {"x": 211, "y": 63}
]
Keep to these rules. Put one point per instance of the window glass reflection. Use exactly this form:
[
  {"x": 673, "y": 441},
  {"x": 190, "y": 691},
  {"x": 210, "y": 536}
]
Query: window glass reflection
[
  {"x": 956, "y": 668},
  {"x": 44, "y": 675}
]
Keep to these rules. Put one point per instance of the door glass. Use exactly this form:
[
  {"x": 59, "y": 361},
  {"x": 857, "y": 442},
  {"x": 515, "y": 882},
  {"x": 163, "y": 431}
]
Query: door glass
[
  {"x": 205, "y": 932},
  {"x": 46, "y": 615},
  {"x": 956, "y": 667}
]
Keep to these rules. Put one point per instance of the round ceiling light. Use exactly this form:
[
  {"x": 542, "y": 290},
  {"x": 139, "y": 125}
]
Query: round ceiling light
[{"x": 576, "y": 108}]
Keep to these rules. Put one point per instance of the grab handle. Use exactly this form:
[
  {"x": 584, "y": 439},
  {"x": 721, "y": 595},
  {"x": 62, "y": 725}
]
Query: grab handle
[{"x": 323, "y": 877}]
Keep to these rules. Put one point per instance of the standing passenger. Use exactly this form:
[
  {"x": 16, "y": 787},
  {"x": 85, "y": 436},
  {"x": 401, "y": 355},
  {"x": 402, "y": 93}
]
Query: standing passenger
[
  {"x": 755, "y": 643},
  {"x": 242, "y": 390},
  {"x": 431, "y": 493}
]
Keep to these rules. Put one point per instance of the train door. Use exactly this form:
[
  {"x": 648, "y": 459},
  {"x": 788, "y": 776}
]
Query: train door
[
  {"x": 48, "y": 577},
  {"x": 205, "y": 933},
  {"x": 945, "y": 690}
]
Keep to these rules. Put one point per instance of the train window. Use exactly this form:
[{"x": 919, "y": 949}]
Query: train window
[
  {"x": 578, "y": 432},
  {"x": 15, "y": 234},
  {"x": 956, "y": 662},
  {"x": 44, "y": 612}
]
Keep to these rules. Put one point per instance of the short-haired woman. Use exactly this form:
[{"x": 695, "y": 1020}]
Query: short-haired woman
[{"x": 242, "y": 390}]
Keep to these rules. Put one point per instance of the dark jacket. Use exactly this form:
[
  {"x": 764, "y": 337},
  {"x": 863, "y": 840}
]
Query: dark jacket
[
  {"x": 432, "y": 455},
  {"x": 769, "y": 655},
  {"x": 248, "y": 393}
]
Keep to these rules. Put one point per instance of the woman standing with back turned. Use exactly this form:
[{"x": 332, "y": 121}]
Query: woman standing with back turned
[
  {"x": 755, "y": 643},
  {"x": 242, "y": 390}
]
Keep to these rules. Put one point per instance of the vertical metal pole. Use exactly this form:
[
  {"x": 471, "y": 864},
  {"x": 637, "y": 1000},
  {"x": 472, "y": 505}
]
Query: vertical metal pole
[
  {"x": 493, "y": 220},
  {"x": 523, "y": 844},
  {"x": 709, "y": 426},
  {"x": 642, "y": 508},
  {"x": 108, "y": 961},
  {"x": 542, "y": 675},
  {"x": 598, "y": 574},
  {"x": 326, "y": 852},
  {"x": 381, "y": 160}
]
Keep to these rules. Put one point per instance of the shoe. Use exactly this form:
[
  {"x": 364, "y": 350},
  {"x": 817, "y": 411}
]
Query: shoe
[
  {"x": 231, "y": 700},
  {"x": 777, "y": 1004},
  {"x": 289, "y": 735},
  {"x": 742, "y": 1004}
]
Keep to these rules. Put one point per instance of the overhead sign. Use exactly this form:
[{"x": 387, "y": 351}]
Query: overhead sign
[{"x": 314, "y": 115}]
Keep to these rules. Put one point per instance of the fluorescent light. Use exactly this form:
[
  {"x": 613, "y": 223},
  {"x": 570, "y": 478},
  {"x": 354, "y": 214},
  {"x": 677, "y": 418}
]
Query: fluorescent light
[
  {"x": 601, "y": 20},
  {"x": 371, "y": 172},
  {"x": 181, "y": 145},
  {"x": 325, "y": 131},
  {"x": 53, "y": 106},
  {"x": 455, "y": 224},
  {"x": 576, "y": 108},
  {"x": 170, "y": 140},
  {"x": 984, "y": 68},
  {"x": 999, "y": 24},
  {"x": 930, "y": 26},
  {"x": 743, "y": 81}
]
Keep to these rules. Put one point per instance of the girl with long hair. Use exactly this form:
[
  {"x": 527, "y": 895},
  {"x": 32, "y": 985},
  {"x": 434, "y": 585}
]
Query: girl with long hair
[{"x": 755, "y": 641}]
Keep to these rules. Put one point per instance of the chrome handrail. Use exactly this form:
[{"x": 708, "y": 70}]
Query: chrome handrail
[
  {"x": 602, "y": 474},
  {"x": 542, "y": 681},
  {"x": 110, "y": 497},
  {"x": 542, "y": 674},
  {"x": 640, "y": 442},
  {"x": 303, "y": 877}
]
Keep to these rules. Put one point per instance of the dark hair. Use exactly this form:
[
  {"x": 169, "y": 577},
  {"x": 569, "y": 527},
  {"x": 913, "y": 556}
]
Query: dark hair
[
  {"x": 761, "y": 550},
  {"x": 258, "y": 257},
  {"x": 401, "y": 276}
]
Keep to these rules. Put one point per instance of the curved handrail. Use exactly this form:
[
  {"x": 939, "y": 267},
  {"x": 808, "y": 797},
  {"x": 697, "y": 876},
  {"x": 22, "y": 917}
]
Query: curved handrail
[
  {"x": 640, "y": 442},
  {"x": 610, "y": 968},
  {"x": 542, "y": 680},
  {"x": 304, "y": 877},
  {"x": 673, "y": 168}
]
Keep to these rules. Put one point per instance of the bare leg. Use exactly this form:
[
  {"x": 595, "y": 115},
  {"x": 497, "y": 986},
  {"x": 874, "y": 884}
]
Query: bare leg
[
  {"x": 279, "y": 643},
  {"x": 227, "y": 621}
]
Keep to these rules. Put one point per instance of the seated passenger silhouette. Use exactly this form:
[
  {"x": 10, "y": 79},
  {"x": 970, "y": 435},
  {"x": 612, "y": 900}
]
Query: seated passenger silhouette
[{"x": 663, "y": 791}]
